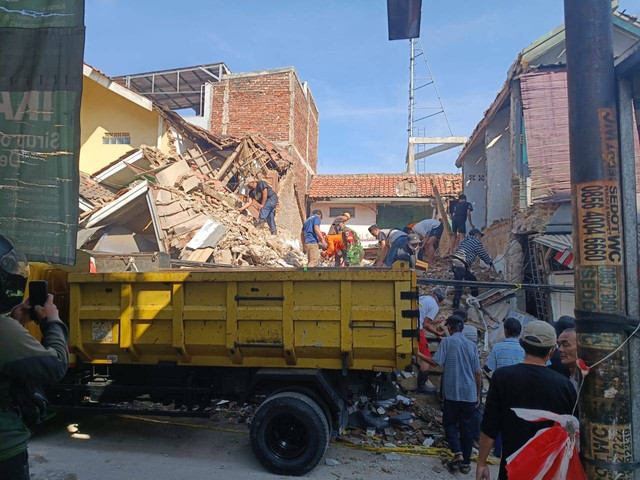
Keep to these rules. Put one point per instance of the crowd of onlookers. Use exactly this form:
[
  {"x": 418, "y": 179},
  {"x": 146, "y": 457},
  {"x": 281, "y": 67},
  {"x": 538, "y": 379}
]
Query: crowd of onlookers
[{"x": 534, "y": 367}]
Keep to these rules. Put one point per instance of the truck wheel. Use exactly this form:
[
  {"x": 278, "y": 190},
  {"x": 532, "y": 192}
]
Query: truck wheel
[{"x": 289, "y": 433}]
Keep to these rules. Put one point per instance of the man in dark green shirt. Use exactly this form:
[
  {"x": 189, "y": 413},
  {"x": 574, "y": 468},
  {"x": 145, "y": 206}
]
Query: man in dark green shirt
[{"x": 25, "y": 365}]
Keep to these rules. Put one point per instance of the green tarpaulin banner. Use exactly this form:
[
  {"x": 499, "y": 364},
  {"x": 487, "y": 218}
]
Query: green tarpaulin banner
[{"x": 41, "y": 49}]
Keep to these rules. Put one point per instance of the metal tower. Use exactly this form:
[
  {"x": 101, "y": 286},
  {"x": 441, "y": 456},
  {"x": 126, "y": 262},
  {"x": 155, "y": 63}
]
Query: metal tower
[{"x": 418, "y": 139}]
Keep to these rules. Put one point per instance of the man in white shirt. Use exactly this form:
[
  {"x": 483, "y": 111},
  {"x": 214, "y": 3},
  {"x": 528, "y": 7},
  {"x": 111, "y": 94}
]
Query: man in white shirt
[
  {"x": 430, "y": 231},
  {"x": 429, "y": 308}
]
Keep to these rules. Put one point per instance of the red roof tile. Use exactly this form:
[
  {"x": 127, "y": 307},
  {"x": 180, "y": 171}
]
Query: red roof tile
[{"x": 384, "y": 185}]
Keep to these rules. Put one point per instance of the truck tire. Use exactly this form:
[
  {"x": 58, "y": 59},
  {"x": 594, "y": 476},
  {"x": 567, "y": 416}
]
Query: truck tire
[{"x": 289, "y": 433}]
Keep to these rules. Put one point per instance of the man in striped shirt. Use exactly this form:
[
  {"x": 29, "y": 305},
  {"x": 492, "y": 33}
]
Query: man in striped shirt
[{"x": 462, "y": 259}]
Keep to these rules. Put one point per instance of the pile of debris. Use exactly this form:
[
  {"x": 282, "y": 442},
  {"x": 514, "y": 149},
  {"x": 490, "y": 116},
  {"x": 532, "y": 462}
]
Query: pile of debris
[
  {"x": 398, "y": 421},
  {"x": 186, "y": 203}
]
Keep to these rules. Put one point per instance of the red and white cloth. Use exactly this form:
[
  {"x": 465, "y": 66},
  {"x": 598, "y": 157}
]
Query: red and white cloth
[{"x": 552, "y": 454}]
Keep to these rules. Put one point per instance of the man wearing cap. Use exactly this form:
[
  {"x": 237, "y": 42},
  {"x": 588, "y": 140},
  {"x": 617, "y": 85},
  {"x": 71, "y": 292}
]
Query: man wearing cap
[
  {"x": 261, "y": 192},
  {"x": 429, "y": 307},
  {"x": 339, "y": 221},
  {"x": 461, "y": 389},
  {"x": 403, "y": 247},
  {"x": 525, "y": 385},
  {"x": 462, "y": 259}
]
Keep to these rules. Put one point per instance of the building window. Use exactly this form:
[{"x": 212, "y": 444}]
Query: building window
[
  {"x": 337, "y": 211},
  {"x": 116, "y": 138}
]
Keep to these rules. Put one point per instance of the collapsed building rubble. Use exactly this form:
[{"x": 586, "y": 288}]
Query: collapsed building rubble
[{"x": 186, "y": 203}]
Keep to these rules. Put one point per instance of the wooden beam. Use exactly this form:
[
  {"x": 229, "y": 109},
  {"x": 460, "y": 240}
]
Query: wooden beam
[{"x": 445, "y": 242}]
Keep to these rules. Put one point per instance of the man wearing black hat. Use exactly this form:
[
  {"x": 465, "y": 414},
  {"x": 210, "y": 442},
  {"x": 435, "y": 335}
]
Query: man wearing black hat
[
  {"x": 530, "y": 384},
  {"x": 404, "y": 247},
  {"x": 462, "y": 259}
]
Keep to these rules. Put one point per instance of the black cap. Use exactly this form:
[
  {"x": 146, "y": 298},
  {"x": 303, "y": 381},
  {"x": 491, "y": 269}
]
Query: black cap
[{"x": 475, "y": 231}]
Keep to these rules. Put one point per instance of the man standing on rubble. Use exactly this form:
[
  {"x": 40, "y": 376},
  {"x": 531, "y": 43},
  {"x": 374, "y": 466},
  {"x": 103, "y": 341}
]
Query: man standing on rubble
[
  {"x": 530, "y": 384},
  {"x": 461, "y": 213},
  {"x": 462, "y": 259},
  {"x": 429, "y": 307},
  {"x": 311, "y": 238},
  {"x": 461, "y": 389},
  {"x": 261, "y": 192},
  {"x": 430, "y": 231}
]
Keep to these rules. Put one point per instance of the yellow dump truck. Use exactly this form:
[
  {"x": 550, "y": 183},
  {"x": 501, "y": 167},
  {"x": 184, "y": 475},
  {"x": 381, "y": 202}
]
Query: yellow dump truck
[{"x": 310, "y": 341}]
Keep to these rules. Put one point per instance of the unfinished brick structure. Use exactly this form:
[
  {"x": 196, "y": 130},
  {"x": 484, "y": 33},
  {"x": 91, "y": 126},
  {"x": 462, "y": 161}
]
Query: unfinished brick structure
[{"x": 273, "y": 103}]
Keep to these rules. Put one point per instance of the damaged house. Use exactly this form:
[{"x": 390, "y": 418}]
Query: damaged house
[
  {"x": 180, "y": 194},
  {"x": 516, "y": 169}
]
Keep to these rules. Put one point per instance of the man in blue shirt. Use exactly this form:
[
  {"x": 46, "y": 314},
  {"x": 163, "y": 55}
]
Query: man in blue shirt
[
  {"x": 507, "y": 352},
  {"x": 461, "y": 389},
  {"x": 311, "y": 237},
  {"x": 262, "y": 193}
]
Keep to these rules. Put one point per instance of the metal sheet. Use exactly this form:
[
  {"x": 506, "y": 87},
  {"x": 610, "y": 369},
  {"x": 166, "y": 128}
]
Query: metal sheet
[{"x": 557, "y": 242}]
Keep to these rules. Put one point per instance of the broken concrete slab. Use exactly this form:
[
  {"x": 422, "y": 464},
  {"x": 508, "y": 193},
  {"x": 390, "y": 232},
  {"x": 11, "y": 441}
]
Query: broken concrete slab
[
  {"x": 208, "y": 236},
  {"x": 174, "y": 172}
]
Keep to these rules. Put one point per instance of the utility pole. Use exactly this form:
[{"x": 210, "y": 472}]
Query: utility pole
[
  {"x": 605, "y": 408},
  {"x": 412, "y": 63}
]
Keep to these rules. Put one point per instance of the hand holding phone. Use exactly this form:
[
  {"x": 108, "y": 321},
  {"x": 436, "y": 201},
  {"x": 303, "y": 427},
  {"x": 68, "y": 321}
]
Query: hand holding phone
[{"x": 37, "y": 296}]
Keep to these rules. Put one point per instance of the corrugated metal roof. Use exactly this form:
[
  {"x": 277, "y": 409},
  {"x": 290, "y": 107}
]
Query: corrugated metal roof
[{"x": 557, "y": 242}]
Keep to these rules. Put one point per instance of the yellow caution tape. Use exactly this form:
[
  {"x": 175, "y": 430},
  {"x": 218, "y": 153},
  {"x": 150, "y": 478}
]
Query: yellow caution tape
[
  {"x": 404, "y": 450},
  {"x": 183, "y": 424}
]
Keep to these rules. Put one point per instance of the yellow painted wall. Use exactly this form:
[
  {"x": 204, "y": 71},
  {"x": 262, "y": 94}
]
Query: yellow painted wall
[{"x": 105, "y": 111}]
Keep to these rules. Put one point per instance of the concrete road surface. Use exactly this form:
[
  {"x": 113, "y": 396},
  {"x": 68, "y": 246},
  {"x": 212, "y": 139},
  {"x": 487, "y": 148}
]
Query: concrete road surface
[{"x": 116, "y": 448}]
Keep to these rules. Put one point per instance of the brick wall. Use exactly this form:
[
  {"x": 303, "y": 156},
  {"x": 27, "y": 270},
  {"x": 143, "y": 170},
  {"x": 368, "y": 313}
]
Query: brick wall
[
  {"x": 257, "y": 104},
  {"x": 288, "y": 219},
  {"x": 276, "y": 105},
  {"x": 300, "y": 118}
]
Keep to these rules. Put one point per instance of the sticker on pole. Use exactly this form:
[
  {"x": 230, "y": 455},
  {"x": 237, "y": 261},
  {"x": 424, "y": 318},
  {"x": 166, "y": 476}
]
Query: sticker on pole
[{"x": 599, "y": 222}]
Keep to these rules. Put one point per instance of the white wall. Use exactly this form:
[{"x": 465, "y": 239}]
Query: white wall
[
  {"x": 475, "y": 184},
  {"x": 498, "y": 152},
  {"x": 365, "y": 216}
]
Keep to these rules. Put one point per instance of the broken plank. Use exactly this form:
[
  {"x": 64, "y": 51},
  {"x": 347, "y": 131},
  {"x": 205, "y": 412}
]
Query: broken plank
[{"x": 422, "y": 265}]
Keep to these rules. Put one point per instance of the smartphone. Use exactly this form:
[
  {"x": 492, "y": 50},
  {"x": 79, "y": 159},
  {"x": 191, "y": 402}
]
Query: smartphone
[{"x": 37, "y": 295}]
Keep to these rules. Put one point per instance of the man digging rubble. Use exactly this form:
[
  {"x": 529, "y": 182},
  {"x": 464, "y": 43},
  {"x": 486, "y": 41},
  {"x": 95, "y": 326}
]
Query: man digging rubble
[
  {"x": 462, "y": 259},
  {"x": 263, "y": 194},
  {"x": 429, "y": 307}
]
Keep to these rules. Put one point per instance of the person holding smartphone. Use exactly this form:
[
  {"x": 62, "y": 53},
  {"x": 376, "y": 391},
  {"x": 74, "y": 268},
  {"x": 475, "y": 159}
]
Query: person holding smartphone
[{"x": 26, "y": 365}]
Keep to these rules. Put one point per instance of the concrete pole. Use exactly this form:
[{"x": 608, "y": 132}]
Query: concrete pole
[{"x": 605, "y": 411}]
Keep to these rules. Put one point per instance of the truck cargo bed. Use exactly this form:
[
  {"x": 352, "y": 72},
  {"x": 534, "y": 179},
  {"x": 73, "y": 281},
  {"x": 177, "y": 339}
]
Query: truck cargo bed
[{"x": 323, "y": 318}]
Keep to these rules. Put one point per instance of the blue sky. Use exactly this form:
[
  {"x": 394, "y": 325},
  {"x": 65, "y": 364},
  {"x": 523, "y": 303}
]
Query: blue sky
[{"x": 359, "y": 79}]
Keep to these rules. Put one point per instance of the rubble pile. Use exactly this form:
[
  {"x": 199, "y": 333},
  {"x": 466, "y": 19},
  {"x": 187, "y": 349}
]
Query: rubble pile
[
  {"x": 186, "y": 204},
  {"x": 398, "y": 421}
]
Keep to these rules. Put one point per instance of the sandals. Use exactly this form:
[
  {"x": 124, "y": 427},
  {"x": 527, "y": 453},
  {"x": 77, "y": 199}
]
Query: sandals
[{"x": 456, "y": 462}]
